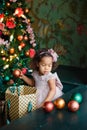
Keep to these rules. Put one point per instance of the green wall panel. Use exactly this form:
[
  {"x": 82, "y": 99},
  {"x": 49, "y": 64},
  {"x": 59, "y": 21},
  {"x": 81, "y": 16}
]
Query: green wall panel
[{"x": 62, "y": 25}]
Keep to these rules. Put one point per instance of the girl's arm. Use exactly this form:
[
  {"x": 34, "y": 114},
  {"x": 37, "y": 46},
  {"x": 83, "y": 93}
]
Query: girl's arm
[
  {"x": 29, "y": 81},
  {"x": 52, "y": 91}
]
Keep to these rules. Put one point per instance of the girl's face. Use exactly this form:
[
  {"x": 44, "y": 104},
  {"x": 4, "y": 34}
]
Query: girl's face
[{"x": 45, "y": 65}]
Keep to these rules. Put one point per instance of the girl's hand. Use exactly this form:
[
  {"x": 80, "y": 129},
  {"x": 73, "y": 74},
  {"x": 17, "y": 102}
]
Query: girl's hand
[
  {"x": 21, "y": 75},
  {"x": 42, "y": 105}
]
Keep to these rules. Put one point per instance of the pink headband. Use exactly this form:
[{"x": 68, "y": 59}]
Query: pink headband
[{"x": 53, "y": 54}]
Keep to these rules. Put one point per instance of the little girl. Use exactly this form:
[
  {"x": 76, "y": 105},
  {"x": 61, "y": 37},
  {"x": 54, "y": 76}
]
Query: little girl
[{"x": 49, "y": 86}]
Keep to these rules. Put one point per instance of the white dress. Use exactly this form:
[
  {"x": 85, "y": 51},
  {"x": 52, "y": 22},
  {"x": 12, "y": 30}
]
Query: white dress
[{"x": 41, "y": 83}]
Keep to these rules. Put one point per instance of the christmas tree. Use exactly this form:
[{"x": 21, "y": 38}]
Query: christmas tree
[{"x": 17, "y": 43}]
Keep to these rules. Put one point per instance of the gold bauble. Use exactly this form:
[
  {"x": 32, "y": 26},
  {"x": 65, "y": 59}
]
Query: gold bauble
[
  {"x": 59, "y": 103},
  {"x": 12, "y": 50},
  {"x": 27, "y": 53}
]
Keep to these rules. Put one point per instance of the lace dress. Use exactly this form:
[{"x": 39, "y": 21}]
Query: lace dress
[{"x": 41, "y": 83}]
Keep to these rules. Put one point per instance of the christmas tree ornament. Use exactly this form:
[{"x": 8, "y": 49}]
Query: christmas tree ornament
[
  {"x": 48, "y": 106},
  {"x": 22, "y": 44},
  {"x": 21, "y": 26},
  {"x": 24, "y": 70},
  {"x": 6, "y": 13},
  {"x": 1, "y": 17},
  {"x": 20, "y": 37},
  {"x": 27, "y": 53},
  {"x": 73, "y": 105},
  {"x": 6, "y": 78},
  {"x": 59, "y": 103},
  {"x": 28, "y": 20},
  {"x": 77, "y": 97},
  {"x": 19, "y": 12},
  {"x": 32, "y": 53},
  {"x": 16, "y": 37},
  {"x": 17, "y": 73},
  {"x": 10, "y": 23},
  {"x": 25, "y": 38},
  {"x": 3, "y": 58},
  {"x": 12, "y": 50}
]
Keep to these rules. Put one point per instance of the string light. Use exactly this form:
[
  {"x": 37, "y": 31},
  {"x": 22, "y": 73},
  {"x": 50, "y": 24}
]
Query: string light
[{"x": 6, "y": 66}]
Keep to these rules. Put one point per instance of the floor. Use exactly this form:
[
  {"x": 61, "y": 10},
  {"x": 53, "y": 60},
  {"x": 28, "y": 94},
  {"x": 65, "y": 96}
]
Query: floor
[
  {"x": 70, "y": 77},
  {"x": 2, "y": 120}
]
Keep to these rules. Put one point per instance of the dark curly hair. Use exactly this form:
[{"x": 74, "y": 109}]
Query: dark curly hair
[{"x": 38, "y": 56}]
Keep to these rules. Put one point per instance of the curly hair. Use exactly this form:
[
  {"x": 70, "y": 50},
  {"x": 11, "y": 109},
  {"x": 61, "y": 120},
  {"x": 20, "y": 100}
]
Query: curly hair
[{"x": 38, "y": 56}]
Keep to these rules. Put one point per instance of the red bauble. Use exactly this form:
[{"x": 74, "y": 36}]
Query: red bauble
[
  {"x": 73, "y": 105},
  {"x": 48, "y": 106},
  {"x": 16, "y": 73},
  {"x": 31, "y": 53},
  {"x": 24, "y": 70},
  {"x": 22, "y": 44}
]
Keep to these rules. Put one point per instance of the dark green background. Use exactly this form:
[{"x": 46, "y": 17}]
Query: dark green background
[{"x": 62, "y": 25}]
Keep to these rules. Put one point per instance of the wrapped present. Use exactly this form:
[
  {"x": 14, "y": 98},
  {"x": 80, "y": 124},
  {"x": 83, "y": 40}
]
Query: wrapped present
[{"x": 19, "y": 101}]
